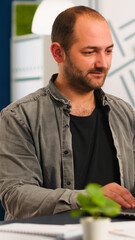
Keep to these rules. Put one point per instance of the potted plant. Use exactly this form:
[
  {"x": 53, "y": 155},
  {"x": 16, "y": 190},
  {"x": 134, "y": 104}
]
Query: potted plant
[{"x": 100, "y": 209}]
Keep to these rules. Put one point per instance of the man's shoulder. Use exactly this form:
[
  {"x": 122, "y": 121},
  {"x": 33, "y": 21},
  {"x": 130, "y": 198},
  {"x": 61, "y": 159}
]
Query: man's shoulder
[
  {"x": 27, "y": 101},
  {"x": 119, "y": 104},
  {"x": 115, "y": 99}
]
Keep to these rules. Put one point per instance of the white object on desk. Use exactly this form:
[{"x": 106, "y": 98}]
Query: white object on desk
[
  {"x": 122, "y": 230},
  {"x": 20, "y": 236},
  {"x": 26, "y": 231},
  {"x": 59, "y": 231}
]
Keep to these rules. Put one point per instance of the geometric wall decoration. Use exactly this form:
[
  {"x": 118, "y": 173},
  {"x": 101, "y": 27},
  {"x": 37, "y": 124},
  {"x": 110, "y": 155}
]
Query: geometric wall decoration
[
  {"x": 121, "y": 18},
  {"x": 127, "y": 80}
]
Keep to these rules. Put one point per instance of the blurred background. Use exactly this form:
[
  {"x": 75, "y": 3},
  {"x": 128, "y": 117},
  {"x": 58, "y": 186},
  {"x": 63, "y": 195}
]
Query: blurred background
[
  {"x": 25, "y": 60},
  {"x": 26, "y": 63}
]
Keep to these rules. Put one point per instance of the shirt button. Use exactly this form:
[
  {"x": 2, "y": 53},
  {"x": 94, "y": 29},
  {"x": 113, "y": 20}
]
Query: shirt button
[
  {"x": 68, "y": 106},
  {"x": 66, "y": 152},
  {"x": 68, "y": 183}
]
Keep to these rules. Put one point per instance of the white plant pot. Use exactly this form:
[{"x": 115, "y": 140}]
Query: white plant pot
[{"x": 95, "y": 229}]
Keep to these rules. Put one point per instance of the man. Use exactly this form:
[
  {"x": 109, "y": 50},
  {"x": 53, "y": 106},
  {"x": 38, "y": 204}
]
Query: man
[{"x": 56, "y": 140}]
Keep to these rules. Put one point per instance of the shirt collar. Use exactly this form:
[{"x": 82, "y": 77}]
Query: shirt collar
[{"x": 56, "y": 94}]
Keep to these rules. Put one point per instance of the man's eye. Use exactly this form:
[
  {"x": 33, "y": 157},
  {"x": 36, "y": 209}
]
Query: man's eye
[
  {"x": 109, "y": 51},
  {"x": 88, "y": 53}
]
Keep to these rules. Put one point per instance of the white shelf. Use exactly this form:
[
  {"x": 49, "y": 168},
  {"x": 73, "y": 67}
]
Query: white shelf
[{"x": 31, "y": 64}]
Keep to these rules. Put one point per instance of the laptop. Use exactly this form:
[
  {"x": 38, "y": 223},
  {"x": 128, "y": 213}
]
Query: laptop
[{"x": 129, "y": 212}]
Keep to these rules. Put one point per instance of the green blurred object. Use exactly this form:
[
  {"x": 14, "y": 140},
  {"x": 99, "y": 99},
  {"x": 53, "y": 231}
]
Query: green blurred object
[
  {"x": 24, "y": 16},
  {"x": 95, "y": 203}
]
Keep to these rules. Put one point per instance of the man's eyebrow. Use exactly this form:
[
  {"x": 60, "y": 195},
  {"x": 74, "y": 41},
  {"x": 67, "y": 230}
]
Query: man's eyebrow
[
  {"x": 111, "y": 46},
  {"x": 96, "y": 47}
]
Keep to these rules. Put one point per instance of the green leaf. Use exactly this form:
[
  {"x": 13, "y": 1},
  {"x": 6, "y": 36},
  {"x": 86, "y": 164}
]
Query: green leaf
[
  {"x": 99, "y": 201},
  {"x": 94, "y": 190},
  {"x": 95, "y": 203},
  {"x": 93, "y": 210},
  {"x": 76, "y": 213},
  {"x": 83, "y": 200},
  {"x": 111, "y": 209},
  {"x": 96, "y": 194}
]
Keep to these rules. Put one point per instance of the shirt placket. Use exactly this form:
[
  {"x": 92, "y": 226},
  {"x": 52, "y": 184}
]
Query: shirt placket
[{"x": 67, "y": 153}]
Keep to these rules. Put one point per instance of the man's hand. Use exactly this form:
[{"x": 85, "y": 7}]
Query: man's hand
[{"x": 119, "y": 194}]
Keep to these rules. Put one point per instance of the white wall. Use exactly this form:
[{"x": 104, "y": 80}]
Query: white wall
[{"x": 121, "y": 17}]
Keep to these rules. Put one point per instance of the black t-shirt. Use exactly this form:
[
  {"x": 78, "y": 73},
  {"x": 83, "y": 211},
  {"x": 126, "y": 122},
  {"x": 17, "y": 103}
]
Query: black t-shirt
[{"x": 93, "y": 150}]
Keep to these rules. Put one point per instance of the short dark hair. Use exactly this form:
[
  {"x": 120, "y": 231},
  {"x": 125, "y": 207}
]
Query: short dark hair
[{"x": 63, "y": 26}]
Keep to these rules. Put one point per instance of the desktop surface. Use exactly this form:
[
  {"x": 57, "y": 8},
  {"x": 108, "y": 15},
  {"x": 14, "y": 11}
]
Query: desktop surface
[{"x": 60, "y": 219}]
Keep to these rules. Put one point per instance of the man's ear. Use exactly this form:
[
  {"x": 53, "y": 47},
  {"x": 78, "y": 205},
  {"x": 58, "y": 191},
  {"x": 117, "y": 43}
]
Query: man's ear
[{"x": 57, "y": 52}]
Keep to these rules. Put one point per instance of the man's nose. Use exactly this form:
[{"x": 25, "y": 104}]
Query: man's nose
[{"x": 101, "y": 60}]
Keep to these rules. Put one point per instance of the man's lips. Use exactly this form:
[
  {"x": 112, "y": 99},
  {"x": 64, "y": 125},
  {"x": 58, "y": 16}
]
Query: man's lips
[{"x": 97, "y": 73}]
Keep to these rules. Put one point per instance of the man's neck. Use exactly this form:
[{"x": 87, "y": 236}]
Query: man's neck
[{"x": 83, "y": 103}]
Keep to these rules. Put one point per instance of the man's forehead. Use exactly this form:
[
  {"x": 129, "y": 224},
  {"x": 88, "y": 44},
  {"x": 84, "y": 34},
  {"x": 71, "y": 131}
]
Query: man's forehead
[
  {"x": 92, "y": 30},
  {"x": 90, "y": 23},
  {"x": 89, "y": 18}
]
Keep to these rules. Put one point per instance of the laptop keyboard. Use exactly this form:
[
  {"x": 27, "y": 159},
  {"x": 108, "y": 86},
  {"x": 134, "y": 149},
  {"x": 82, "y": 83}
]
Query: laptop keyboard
[{"x": 128, "y": 211}]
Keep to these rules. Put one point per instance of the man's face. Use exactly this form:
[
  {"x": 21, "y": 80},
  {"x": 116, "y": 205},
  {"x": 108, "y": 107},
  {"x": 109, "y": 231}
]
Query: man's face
[{"x": 89, "y": 58}]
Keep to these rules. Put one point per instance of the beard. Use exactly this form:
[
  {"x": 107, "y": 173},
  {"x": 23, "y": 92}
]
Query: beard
[{"x": 83, "y": 82}]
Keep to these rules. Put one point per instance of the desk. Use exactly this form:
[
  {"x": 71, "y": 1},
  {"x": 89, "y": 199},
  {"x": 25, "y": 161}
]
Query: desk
[{"x": 63, "y": 218}]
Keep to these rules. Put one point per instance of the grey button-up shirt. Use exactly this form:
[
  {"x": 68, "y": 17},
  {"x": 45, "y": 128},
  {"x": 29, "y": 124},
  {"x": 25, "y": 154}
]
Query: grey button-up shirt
[{"x": 36, "y": 157}]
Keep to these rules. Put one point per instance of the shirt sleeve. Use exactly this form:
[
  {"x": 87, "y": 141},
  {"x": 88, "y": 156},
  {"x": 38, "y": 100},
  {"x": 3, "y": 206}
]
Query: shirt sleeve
[{"x": 21, "y": 180}]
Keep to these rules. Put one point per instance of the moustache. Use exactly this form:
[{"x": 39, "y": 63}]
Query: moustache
[{"x": 98, "y": 70}]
